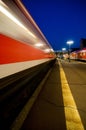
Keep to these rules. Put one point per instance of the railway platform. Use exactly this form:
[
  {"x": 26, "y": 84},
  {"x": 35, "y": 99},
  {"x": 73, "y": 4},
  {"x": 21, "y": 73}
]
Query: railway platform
[
  {"x": 51, "y": 107},
  {"x": 47, "y": 112}
]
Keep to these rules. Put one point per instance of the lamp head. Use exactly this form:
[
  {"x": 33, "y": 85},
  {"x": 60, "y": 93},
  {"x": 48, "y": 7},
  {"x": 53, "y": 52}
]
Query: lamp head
[{"x": 70, "y": 42}]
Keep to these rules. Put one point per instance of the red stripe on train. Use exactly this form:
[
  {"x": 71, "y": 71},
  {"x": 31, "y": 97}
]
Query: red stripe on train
[{"x": 12, "y": 51}]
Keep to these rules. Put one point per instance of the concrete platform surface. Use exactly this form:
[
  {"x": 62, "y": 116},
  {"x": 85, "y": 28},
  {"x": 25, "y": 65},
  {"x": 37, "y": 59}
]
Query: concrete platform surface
[{"x": 47, "y": 112}]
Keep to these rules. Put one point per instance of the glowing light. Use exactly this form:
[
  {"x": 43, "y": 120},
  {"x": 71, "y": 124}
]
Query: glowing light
[
  {"x": 47, "y": 50},
  {"x": 63, "y": 49},
  {"x": 38, "y": 44},
  {"x": 9, "y": 15},
  {"x": 70, "y": 42},
  {"x": 52, "y": 50}
]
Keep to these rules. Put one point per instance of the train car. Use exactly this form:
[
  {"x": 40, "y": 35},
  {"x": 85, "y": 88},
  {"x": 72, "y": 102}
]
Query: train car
[
  {"x": 74, "y": 55},
  {"x": 78, "y": 55},
  {"x": 22, "y": 43},
  {"x": 25, "y": 58},
  {"x": 82, "y": 54}
]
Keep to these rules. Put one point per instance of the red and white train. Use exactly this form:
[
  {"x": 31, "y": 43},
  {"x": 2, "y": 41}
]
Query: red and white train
[
  {"x": 79, "y": 55},
  {"x": 25, "y": 58},
  {"x": 22, "y": 44}
]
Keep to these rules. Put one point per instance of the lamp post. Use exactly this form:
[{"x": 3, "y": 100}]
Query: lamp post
[
  {"x": 69, "y": 43},
  {"x": 63, "y": 50}
]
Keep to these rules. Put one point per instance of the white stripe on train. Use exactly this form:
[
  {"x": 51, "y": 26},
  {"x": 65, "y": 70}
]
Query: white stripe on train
[{"x": 12, "y": 68}]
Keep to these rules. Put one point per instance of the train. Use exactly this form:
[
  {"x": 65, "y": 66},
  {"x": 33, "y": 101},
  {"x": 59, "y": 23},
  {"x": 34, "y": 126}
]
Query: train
[
  {"x": 79, "y": 55},
  {"x": 25, "y": 58},
  {"x": 22, "y": 45},
  {"x": 76, "y": 55}
]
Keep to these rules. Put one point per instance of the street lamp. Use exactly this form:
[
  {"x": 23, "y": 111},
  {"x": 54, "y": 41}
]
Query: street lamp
[
  {"x": 63, "y": 50},
  {"x": 70, "y": 42}
]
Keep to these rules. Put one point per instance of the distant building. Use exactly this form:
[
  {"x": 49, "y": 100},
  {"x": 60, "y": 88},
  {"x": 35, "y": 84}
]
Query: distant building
[{"x": 82, "y": 43}]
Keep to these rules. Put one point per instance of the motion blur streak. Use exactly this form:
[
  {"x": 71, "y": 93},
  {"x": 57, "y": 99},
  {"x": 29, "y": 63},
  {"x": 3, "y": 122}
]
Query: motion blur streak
[
  {"x": 9, "y": 15},
  {"x": 22, "y": 43}
]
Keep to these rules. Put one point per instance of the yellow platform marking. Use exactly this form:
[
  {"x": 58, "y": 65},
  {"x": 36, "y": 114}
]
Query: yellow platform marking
[{"x": 73, "y": 120}]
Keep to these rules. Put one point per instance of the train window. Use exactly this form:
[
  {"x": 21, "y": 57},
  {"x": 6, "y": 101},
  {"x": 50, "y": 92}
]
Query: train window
[{"x": 84, "y": 54}]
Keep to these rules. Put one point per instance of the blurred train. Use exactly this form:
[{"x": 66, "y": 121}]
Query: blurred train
[
  {"x": 22, "y": 44},
  {"x": 25, "y": 58},
  {"x": 78, "y": 55}
]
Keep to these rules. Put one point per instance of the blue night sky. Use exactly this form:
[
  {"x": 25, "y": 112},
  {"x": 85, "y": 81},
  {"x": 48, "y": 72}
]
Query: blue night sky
[{"x": 59, "y": 20}]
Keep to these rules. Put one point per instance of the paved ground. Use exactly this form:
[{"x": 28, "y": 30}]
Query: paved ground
[
  {"x": 76, "y": 76},
  {"x": 49, "y": 110}
]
